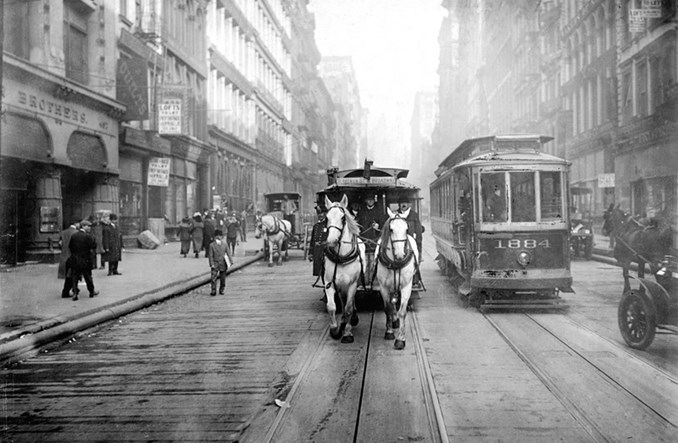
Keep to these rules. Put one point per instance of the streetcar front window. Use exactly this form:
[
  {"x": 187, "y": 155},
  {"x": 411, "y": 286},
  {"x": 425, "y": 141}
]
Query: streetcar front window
[
  {"x": 493, "y": 189},
  {"x": 523, "y": 202},
  {"x": 550, "y": 185}
]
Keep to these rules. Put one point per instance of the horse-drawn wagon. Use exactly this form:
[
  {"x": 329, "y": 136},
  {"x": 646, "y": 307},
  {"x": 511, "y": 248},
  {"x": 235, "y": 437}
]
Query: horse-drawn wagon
[
  {"x": 650, "y": 308},
  {"x": 369, "y": 248},
  {"x": 281, "y": 225}
]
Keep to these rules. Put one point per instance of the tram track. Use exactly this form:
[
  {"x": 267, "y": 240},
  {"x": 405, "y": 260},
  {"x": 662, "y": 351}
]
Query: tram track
[
  {"x": 572, "y": 362},
  {"x": 295, "y": 409}
]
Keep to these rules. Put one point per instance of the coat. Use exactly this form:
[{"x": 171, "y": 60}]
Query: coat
[
  {"x": 112, "y": 242},
  {"x": 64, "y": 239},
  {"x": 318, "y": 239},
  {"x": 81, "y": 245},
  {"x": 196, "y": 235},
  {"x": 216, "y": 255},
  {"x": 232, "y": 225},
  {"x": 209, "y": 226},
  {"x": 366, "y": 218}
]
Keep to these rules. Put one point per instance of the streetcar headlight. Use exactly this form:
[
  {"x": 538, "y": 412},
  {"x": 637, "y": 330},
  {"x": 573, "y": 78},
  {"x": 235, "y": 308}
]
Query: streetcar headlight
[{"x": 524, "y": 258}]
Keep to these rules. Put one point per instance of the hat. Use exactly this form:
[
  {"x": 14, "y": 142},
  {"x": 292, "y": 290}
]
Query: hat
[
  {"x": 369, "y": 197},
  {"x": 218, "y": 232},
  {"x": 113, "y": 217},
  {"x": 85, "y": 223},
  {"x": 185, "y": 219}
]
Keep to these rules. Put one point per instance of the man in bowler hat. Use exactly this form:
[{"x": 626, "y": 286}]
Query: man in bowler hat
[{"x": 81, "y": 245}]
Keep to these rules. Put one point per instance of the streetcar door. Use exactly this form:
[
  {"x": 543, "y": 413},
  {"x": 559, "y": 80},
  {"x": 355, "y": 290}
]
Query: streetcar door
[{"x": 463, "y": 213}]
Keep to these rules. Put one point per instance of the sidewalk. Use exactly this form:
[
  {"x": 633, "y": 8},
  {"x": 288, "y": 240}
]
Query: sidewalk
[{"x": 32, "y": 312}]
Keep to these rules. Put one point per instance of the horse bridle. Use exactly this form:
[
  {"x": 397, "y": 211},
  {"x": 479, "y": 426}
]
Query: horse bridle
[
  {"x": 333, "y": 254},
  {"x": 395, "y": 263}
]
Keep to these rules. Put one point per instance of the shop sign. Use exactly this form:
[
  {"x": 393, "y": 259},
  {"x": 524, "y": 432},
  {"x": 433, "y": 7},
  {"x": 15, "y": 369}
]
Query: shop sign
[
  {"x": 606, "y": 180},
  {"x": 652, "y": 8},
  {"x": 158, "y": 171},
  {"x": 171, "y": 110},
  {"x": 132, "y": 87}
]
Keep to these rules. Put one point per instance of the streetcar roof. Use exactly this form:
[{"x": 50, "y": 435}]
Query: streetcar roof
[
  {"x": 512, "y": 158},
  {"x": 494, "y": 144}
]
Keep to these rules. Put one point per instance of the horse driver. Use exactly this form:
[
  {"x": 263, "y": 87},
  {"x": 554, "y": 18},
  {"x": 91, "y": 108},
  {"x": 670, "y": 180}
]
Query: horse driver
[{"x": 371, "y": 219}]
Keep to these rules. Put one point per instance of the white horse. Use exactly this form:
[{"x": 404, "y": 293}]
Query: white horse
[
  {"x": 277, "y": 231},
  {"x": 344, "y": 261},
  {"x": 397, "y": 256}
]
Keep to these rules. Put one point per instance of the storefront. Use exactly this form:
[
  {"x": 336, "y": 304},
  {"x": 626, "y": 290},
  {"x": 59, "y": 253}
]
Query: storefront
[{"x": 59, "y": 160}]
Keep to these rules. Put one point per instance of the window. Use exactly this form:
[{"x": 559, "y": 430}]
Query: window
[
  {"x": 75, "y": 41},
  {"x": 627, "y": 96},
  {"x": 523, "y": 205},
  {"x": 641, "y": 78},
  {"x": 17, "y": 25},
  {"x": 493, "y": 192},
  {"x": 551, "y": 198}
]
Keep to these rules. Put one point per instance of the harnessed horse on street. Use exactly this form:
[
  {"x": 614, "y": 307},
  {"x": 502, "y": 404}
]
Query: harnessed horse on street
[
  {"x": 277, "y": 232},
  {"x": 344, "y": 260},
  {"x": 397, "y": 256}
]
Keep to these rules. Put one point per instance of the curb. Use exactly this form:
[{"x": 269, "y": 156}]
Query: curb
[{"x": 26, "y": 340}]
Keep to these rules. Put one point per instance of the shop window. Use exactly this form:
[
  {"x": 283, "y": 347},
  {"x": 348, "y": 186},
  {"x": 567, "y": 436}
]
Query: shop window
[{"x": 130, "y": 207}]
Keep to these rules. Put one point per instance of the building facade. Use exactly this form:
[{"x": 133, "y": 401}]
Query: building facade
[
  {"x": 586, "y": 72},
  {"x": 155, "y": 110}
]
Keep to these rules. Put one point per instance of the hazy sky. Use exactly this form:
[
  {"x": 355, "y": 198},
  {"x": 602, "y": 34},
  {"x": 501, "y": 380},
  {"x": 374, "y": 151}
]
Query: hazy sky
[{"x": 394, "y": 45}]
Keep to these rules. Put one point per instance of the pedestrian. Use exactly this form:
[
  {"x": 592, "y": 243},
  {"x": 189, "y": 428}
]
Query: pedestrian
[
  {"x": 608, "y": 226},
  {"x": 197, "y": 227},
  {"x": 98, "y": 233},
  {"x": 220, "y": 259},
  {"x": 318, "y": 239},
  {"x": 232, "y": 226},
  {"x": 184, "y": 234},
  {"x": 64, "y": 239},
  {"x": 243, "y": 225},
  {"x": 112, "y": 240},
  {"x": 81, "y": 245},
  {"x": 208, "y": 232}
]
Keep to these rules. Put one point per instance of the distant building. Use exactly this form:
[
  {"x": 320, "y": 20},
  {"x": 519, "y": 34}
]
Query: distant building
[{"x": 422, "y": 162}]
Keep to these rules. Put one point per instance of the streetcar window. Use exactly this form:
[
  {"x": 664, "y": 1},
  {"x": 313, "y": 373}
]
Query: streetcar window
[
  {"x": 550, "y": 184},
  {"x": 493, "y": 192},
  {"x": 523, "y": 202}
]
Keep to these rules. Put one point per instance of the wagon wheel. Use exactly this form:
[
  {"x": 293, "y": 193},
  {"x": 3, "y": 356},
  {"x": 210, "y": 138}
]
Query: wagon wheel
[{"x": 637, "y": 319}]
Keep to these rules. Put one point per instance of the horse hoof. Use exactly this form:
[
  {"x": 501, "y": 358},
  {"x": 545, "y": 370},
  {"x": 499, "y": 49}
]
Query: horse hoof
[
  {"x": 270, "y": 265},
  {"x": 395, "y": 324},
  {"x": 348, "y": 339},
  {"x": 399, "y": 344},
  {"x": 335, "y": 333},
  {"x": 389, "y": 336},
  {"x": 354, "y": 319}
]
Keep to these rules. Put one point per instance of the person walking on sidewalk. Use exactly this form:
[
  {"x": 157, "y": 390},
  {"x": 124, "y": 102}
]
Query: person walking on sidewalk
[
  {"x": 112, "y": 240},
  {"x": 220, "y": 259},
  {"x": 81, "y": 245},
  {"x": 98, "y": 232},
  {"x": 243, "y": 226},
  {"x": 197, "y": 227},
  {"x": 232, "y": 227},
  {"x": 64, "y": 239},
  {"x": 208, "y": 232},
  {"x": 184, "y": 235}
]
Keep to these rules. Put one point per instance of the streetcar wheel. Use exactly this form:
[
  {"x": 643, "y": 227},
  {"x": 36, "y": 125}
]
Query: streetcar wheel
[{"x": 637, "y": 319}]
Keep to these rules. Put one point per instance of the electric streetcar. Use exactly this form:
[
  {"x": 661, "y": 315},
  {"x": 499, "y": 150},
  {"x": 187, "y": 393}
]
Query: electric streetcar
[{"x": 500, "y": 219}]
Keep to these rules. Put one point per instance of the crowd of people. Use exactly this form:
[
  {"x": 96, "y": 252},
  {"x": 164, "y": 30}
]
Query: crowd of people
[{"x": 83, "y": 245}]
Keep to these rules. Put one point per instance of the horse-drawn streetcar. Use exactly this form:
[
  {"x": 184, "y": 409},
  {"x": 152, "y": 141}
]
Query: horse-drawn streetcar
[
  {"x": 500, "y": 219},
  {"x": 372, "y": 245}
]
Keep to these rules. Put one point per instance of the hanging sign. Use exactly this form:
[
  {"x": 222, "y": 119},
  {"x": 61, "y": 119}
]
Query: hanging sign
[
  {"x": 158, "y": 171},
  {"x": 171, "y": 109},
  {"x": 606, "y": 180}
]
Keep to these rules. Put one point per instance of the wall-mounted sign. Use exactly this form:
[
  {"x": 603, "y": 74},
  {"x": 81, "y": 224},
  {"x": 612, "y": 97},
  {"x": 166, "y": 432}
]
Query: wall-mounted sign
[
  {"x": 132, "y": 87},
  {"x": 606, "y": 180},
  {"x": 158, "y": 171},
  {"x": 171, "y": 109}
]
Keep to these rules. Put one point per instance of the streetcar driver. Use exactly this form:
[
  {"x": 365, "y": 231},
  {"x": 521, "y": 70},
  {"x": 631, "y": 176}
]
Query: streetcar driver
[{"x": 495, "y": 206}]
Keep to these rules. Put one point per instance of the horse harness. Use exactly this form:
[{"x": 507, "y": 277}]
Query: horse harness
[
  {"x": 394, "y": 264},
  {"x": 333, "y": 255},
  {"x": 277, "y": 227}
]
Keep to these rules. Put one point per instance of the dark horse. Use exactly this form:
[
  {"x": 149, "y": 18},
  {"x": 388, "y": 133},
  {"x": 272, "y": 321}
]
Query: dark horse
[{"x": 636, "y": 241}]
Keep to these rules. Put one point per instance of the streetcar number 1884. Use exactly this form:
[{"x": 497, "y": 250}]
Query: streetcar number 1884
[{"x": 516, "y": 243}]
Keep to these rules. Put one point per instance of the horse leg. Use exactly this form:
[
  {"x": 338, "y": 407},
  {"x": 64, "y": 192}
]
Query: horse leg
[
  {"x": 335, "y": 330},
  {"x": 388, "y": 312},
  {"x": 349, "y": 309},
  {"x": 270, "y": 254},
  {"x": 405, "y": 294}
]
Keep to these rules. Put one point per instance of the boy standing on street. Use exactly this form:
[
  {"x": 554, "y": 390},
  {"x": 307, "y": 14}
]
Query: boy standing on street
[{"x": 220, "y": 259}]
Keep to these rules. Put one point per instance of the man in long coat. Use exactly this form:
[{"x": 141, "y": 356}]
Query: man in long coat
[
  {"x": 217, "y": 253},
  {"x": 81, "y": 245},
  {"x": 112, "y": 242},
  {"x": 208, "y": 232},
  {"x": 64, "y": 239}
]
